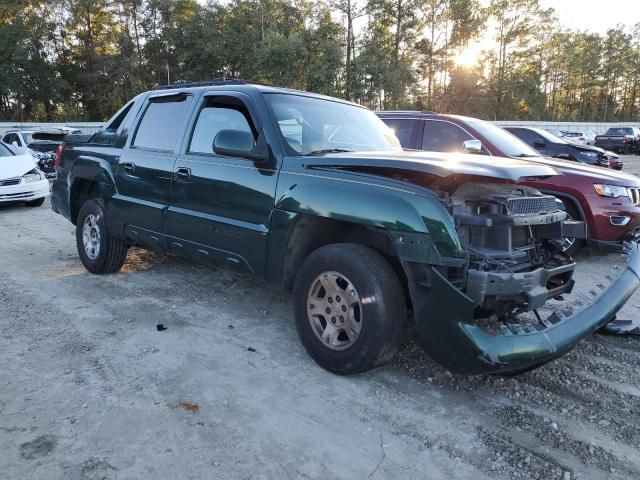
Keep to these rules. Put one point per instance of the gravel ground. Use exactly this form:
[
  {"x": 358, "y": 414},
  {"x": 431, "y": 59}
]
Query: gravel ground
[{"x": 91, "y": 390}]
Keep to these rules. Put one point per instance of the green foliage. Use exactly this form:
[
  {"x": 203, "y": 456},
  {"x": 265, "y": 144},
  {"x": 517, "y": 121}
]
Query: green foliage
[{"x": 82, "y": 59}]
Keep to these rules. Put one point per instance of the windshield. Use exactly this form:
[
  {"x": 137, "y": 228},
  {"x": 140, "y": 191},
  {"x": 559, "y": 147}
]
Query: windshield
[
  {"x": 5, "y": 152},
  {"x": 504, "y": 141},
  {"x": 315, "y": 125}
]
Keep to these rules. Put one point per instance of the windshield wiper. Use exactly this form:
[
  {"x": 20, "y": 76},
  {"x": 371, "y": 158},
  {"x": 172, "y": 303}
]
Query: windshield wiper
[
  {"x": 526, "y": 155},
  {"x": 326, "y": 150}
]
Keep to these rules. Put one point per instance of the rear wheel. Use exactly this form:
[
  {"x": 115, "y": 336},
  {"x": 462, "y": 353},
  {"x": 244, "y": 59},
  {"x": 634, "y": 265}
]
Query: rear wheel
[
  {"x": 349, "y": 308},
  {"x": 35, "y": 203},
  {"x": 572, "y": 245},
  {"x": 99, "y": 251}
]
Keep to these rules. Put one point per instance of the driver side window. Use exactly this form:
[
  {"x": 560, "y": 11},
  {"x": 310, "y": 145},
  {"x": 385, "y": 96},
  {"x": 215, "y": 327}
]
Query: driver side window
[{"x": 215, "y": 116}]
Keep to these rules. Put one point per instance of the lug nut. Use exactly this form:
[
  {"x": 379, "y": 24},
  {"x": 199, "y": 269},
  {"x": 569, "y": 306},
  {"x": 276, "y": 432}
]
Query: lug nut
[
  {"x": 333, "y": 320},
  {"x": 330, "y": 299},
  {"x": 341, "y": 319},
  {"x": 337, "y": 298},
  {"x": 344, "y": 308},
  {"x": 328, "y": 310}
]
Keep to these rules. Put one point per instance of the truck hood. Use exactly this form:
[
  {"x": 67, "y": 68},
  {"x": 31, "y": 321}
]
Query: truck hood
[
  {"x": 438, "y": 164},
  {"x": 13, "y": 167},
  {"x": 598, "y": 174}
]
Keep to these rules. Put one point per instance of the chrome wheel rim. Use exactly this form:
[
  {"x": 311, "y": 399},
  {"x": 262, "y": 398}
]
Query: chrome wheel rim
[
  {"x": 334, "y": 310},
  {"x": 91, "y": 236}
]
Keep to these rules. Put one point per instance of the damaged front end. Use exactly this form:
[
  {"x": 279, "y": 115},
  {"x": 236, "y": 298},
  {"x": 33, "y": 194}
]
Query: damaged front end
[{"x": 497, "y": 310}]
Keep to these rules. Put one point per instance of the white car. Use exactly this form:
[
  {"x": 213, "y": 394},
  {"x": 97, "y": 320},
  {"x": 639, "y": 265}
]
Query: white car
[
  {"x": 20, "y": 179},
  {"x": 586, "y": 137}
]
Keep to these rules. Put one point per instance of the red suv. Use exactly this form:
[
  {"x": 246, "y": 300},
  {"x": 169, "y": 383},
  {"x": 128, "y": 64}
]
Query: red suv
[{"x": 608, "y": 201}]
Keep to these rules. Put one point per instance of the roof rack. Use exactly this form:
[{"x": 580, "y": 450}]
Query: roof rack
[{"x": 207, "y": 83}]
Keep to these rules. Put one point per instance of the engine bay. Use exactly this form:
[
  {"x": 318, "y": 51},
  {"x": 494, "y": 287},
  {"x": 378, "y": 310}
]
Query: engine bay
[
  {"x": 507, "y": 227},
  {"x": 514, "y": 238}
]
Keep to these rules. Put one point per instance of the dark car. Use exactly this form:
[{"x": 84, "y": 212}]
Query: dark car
[
  {"x": 608, "y": 201},
  {"x": 316, "y": 194},
  {"x": 620, "y": 139},
  {"x": 550, "y": 145}
]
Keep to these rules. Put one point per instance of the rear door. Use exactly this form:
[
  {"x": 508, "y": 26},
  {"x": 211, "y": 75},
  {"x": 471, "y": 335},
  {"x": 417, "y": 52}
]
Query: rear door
[
  {"x": 145, "y": 168},
  {"x": 221, "y": 206}
]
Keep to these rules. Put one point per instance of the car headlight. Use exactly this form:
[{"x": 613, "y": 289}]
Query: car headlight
[
  {"x": 34, "y": 175},
  {"x": 613, "y": 191}
]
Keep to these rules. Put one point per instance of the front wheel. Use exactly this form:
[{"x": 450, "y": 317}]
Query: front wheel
[
  {"x": 99, "y": 251},
  {"x": 349, "y": 308},
  {"x": 572, "y": 245}
]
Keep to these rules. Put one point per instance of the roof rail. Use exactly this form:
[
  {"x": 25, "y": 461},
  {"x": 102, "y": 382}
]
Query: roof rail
[
  {"x": 207, "y": 83},
  {"x": 409, "y": 111}
]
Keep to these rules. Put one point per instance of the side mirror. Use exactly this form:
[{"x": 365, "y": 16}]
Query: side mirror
[
  {"x": 472, "y": 146},
  {"x": 239, "y": 143},
  {"x": 539, "y": 144}
]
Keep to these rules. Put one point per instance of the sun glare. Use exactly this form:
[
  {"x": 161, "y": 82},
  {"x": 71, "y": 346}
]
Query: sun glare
[
  {"x": 467, "y": 57},
  {"x": 470, "y": 55}
]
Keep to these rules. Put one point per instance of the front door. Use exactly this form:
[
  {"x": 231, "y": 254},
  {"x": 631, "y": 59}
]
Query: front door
[
  {"x": 221, "y": 206},
  {"x": 145, "y": 168}
]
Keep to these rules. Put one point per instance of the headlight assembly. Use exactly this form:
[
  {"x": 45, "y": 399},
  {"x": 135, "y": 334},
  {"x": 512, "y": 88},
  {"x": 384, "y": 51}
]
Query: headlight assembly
[
  {"x": 613, "y": 191},
  {"x": 34, "y": 175}
]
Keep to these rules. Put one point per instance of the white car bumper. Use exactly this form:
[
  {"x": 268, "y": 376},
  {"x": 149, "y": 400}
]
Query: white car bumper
[{"x": 23, "y": 192}]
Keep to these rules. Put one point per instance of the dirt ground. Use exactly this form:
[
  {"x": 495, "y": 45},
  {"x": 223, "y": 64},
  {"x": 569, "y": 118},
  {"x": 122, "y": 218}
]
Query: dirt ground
[{"x": 90, "y": 389}]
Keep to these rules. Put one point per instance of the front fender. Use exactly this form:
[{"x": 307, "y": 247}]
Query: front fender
[{"x": 369, "y": 204}]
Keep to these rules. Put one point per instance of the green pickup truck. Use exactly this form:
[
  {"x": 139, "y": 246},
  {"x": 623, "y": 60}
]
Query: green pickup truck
[{"x": 315, "y": 194}]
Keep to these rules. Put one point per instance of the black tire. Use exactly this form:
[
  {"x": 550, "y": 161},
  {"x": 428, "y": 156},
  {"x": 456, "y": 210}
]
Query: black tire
[
  {"x": 112, "y": 251},
  {"x": 578, "y": 243},
  {"x": 35, "y": 203},
  {"x": 383, "y": 317}
]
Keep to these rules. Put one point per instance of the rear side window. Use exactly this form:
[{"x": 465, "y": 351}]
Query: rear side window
[
  {"x": 405, "y": 130},
  {"x": 443, "y": 136},
  {"x": 161, "y": 123},
  {"x": 118, "y": 118}
]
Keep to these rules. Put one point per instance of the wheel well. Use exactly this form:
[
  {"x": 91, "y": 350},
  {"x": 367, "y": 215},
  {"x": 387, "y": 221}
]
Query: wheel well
[
  {"x": 81, "y": 191},
  {"x": 311, "y": 233}
]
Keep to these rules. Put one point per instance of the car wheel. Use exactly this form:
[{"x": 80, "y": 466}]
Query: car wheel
[
  {"x": 572, "y": 245},
  {"x": 35, "y": 203},
  {"x": 99, "y": 251},
  {"x": 349, "y": 307}
]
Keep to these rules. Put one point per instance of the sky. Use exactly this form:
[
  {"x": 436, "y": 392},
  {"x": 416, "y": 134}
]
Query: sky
[{"x": 595, "y": 15}]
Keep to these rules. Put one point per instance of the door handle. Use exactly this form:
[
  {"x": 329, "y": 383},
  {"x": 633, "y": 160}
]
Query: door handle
[
  {"x": 129, "y": 167},
  {"x": 183, "y": 174}
]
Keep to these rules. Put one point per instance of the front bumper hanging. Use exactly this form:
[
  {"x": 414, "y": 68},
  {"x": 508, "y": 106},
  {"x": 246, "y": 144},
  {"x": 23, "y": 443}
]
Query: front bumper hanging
[{"x": 445, "y": 326}]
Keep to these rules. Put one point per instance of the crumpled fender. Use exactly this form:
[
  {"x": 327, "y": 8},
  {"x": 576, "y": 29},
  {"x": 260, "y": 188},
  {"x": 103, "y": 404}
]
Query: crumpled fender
[{"x": 368, "y": 204}]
